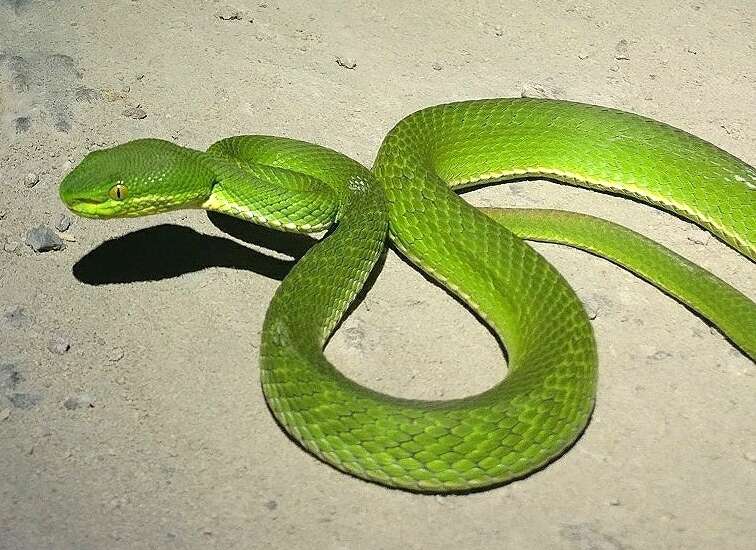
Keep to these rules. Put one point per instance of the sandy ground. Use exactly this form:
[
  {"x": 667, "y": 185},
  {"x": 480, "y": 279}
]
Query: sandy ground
[{"x": 131, "y": 414}]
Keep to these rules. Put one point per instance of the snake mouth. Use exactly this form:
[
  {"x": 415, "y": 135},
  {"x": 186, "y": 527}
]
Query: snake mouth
[
  {"x": 86, "y": 207},
  {"x": 78, "y": 202}
]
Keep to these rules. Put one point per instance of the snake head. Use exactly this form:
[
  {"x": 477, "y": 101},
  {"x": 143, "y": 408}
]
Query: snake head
[{"x": 141, "y": 177}]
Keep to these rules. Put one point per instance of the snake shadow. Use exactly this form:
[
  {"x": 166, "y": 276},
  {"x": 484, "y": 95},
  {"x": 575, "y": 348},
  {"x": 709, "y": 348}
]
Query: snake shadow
[{"x": 167, "y": 251}]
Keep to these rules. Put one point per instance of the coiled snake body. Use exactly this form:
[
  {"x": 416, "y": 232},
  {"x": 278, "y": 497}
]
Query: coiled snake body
[{"x": 546, "y": 399}]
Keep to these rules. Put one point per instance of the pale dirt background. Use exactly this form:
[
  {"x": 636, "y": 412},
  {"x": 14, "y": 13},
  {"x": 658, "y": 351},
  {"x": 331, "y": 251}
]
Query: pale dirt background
[{"x": 151, "y": 430}]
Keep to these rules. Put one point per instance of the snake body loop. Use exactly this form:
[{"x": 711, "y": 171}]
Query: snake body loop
[{"x": 546, "y": 399}]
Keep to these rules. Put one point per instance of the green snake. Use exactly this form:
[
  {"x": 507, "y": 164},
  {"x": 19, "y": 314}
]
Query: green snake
[{"x": 546, "y": 399}]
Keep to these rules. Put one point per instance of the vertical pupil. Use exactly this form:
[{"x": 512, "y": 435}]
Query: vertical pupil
[{"x": 118, "y": 191}]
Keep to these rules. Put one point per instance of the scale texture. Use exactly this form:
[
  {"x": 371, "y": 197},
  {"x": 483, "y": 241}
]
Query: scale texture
[{"x": 546, "y": 399}]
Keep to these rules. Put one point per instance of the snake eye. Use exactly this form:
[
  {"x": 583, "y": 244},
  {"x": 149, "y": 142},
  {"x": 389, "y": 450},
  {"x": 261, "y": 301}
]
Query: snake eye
[{"x": 118, "y": 192}]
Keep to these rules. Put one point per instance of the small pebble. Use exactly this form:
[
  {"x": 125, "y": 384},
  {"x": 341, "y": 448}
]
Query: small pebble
[
  {"x": 31, "y": 179},
  {"x": 536, "y": 90},
  {"x": 659, "y": 355},
  {"x": 58, "y": 345},
  {"x": 80, "y": 401},
  {"x": 43, "y": 239},
  {"x": 596, "y": 305},
  {"x": 11, "y": 246},
  {"x": 229, "y": 13},
  {"x": 751, "y": 457},
  {"x": 87, "y": 95},
  {"x": 621, "y": 51},
  {"x": 117, "y": 502},
  {"x": 137, "y": 113},
  {"x": 437, "y": 66},
  {"x": 64, "y": 222},
  {"x": 699, "y": 236},
  {"x": 3, "y": 213},
  {"x": 614, "y": 502},
  {"x": 271, "y": 505},
  {"x": 112, "y": 95},
  {"x": 5, "y": 414},
  {"x": 592, "y": 309},
  {"x": 355, "y": 336},
  {"x": 116, "y": 354},
  {"x": 346, "y": 62}
]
